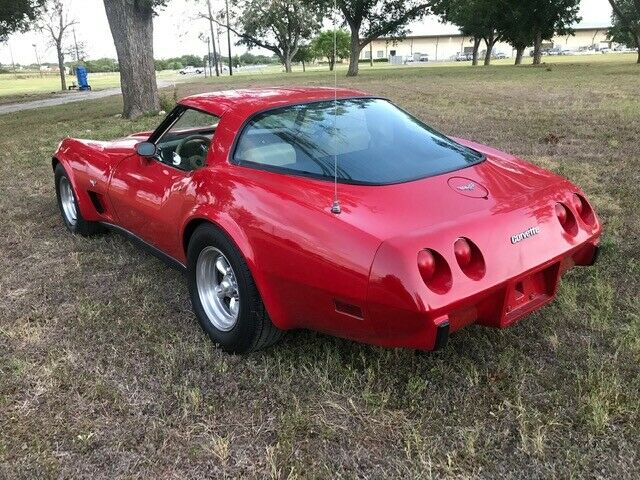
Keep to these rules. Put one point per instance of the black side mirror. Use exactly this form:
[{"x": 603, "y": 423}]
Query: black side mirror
[{"x": 146, "y": 149}]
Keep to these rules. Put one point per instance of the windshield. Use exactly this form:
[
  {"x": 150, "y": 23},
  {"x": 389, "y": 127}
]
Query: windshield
[{"x": 373, "y": 141}]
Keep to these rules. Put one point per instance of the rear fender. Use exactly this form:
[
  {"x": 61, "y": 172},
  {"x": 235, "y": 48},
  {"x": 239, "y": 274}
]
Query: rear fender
[{"x": 224, "y": 222}]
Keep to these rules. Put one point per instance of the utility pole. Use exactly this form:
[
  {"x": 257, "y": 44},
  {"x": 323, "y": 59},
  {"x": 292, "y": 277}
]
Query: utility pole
[
  {"x": 219, "y": 46},
  {"x": 13, "y": 63},
  {"x": 35, "y": 47},
  {"x": 213, "y": 37},
  {"x": 371, "y": 53},
  {"x": 75, "y": 42},
  {"x": 208, "y": 60},
  {"x": 229, "y": 39}
]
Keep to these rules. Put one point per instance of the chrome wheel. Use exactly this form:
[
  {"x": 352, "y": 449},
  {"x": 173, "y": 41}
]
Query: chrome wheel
[
  {"x": 68, "y": 201},
  {"x": 217, "y": 289}
]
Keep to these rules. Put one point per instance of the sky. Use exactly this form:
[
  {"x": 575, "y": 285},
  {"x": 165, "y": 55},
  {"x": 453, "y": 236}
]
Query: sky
[{"x": 176, "y": 31}]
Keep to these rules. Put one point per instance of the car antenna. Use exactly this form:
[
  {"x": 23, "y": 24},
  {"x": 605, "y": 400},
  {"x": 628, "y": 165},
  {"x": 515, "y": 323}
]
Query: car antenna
[{"x": 335, "y": 208}]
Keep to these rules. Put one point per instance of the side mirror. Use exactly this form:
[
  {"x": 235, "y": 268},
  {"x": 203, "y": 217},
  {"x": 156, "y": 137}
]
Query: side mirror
[{"x": 146, "y": 149}]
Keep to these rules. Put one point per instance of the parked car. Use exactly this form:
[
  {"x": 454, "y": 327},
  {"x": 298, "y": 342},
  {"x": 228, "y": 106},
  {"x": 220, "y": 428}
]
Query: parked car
[
  {"x": 191, "y": 70},
  {"x": 423, "y": 58},
  {"x": 463, "y": 57},
  {"x": 356, "y": 219},
  {"x": 499, "y": 55}
]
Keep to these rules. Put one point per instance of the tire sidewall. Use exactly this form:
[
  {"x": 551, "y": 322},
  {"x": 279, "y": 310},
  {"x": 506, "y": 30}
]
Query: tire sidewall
[
  {"x": 60, "y": 172},
  {"x": 240, "y": 337}
]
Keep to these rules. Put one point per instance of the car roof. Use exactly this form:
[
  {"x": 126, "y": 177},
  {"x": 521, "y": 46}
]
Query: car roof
[{"x": 248, "y": 101}]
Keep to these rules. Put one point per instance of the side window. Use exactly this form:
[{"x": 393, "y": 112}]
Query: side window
[{"x": 186, "y": 144}]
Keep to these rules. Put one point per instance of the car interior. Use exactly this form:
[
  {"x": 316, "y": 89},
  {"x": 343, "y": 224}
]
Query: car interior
[{"x": 185, "y": 145}]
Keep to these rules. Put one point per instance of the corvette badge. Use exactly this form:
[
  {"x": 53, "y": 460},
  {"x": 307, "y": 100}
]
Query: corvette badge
[{"x": 530, "y": 232}]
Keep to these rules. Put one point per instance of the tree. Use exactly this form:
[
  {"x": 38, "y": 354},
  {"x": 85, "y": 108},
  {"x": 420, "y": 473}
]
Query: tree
[
  {"x": 323, "y": 47},
  {"x": 480, "y": 19},
  {"x": 101, "y": 65},
  {"x": 55, "y": 22},
  {"x": 371, "y": 19},
  {"x": 517, "y": 27},
  {"x": 548, "y": 18},
  {"x": 277, "y": 25},
  {"x": 131, "y": 23},
  {"x": 626, "y": 23},
  {"x": 17, "y": 15},
  {"x": 304, "y": 55}
]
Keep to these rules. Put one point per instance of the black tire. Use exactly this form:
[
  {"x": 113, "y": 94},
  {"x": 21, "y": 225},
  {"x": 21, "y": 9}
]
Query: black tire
[
  {"x": 253, "y": 329},
  {"x": 81, "y": 226}
]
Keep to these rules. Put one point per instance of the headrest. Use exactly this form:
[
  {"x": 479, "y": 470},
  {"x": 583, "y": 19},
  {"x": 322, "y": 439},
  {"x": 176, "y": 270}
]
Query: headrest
[{"x": 274, "y": 154}]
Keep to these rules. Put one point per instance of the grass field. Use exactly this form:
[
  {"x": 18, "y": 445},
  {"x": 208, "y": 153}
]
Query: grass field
[
  {"x": 104, "y": 372},
  {"x": 30, "y": 86}
]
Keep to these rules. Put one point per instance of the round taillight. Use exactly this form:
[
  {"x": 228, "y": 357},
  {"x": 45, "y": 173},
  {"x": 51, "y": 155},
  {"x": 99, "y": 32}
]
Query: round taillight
[
  {"x": 577, "y": 204},
  {"x": 462, "y": 250},
  {"x": 469, "y": 258},
  {"x": 426, "y": 264},
  {"x": 567, "y": 219},
  {"x": 435, "y": 271},
  {"x": 561, "y": 213},
  {"x": 584, "y": 210}
]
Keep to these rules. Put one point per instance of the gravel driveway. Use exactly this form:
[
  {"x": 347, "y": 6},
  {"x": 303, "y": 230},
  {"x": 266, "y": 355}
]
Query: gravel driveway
[{"x": 68, "y": 97}]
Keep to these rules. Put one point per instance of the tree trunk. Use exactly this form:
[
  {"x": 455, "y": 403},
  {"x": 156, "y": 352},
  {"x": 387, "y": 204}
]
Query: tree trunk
[
  {"x": 304, "y": 69},
  {"x": 476, "y": 46},
  {"x": 131, "y": 25},
  {"x": 637, "y": 37},
  {"x": 356, "y": 48},
  {"x": 537, "y": 49},
  {"x": 519, "y": 55},
  {"x": 487, "y": 56},
  {"x": 63, "y": 73},
  {"x": 489, "y": 42},
  {"x": 287, "y": 64},
  {"x": 332, "y": 62}
]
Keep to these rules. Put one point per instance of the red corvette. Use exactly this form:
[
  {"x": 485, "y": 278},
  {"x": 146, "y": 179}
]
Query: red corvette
[{"x": 294, "y": 208}]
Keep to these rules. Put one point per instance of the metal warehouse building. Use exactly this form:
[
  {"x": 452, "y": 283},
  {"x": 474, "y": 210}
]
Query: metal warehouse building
[{"x": 445, "y": 47}]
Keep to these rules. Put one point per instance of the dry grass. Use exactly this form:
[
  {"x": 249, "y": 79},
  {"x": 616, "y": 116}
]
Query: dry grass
[{"x": 104, "y": 372}]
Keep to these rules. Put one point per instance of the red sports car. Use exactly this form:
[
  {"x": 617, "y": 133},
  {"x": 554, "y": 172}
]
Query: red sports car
[{"x": 334, "y": 211}]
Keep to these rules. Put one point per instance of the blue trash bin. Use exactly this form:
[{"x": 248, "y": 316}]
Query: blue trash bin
[{"x": 81, "y": 75}]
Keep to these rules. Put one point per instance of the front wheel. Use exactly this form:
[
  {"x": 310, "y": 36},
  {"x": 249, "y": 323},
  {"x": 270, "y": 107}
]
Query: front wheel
[{"x": 224, "y": 295}]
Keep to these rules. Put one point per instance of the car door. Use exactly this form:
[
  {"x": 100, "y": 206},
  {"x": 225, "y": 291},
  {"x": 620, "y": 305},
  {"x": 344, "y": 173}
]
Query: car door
[{"x": 148, "y": 194}]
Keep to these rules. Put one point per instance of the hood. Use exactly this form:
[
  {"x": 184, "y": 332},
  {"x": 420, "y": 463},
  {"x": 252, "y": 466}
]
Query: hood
[{"x": 121, "y": 146}]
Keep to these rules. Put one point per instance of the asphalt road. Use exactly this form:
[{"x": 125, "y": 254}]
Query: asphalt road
[{"x": 68, "y": 97}]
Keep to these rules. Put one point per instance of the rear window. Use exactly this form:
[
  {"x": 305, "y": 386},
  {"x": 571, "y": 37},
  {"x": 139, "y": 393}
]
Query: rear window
[{"x": 372, "y": 141}]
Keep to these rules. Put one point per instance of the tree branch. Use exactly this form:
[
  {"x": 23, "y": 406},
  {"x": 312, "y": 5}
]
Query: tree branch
[{"x": 252, "y": 39}]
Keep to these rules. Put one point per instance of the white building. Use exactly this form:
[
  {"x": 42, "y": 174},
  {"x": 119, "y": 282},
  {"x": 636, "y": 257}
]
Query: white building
[{"x": 446, "y": 46}]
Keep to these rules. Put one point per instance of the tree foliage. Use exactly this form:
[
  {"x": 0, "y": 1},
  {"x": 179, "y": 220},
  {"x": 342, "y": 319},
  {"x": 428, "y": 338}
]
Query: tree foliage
[
  {"x": 626, "y": 23},
  {"x": 519, "y": 22},
  {"x": 371, "y": 19},
  {"x": 480, "y": 19},
  {"x": 17, "y": 15},
  {"x": 101, "y": 65},
  {"x": 277, "y": 25},
  {"x": 550, "y": 17},
  {"x": 323, "y": 45},
  {"x": 304, "y": 55}
]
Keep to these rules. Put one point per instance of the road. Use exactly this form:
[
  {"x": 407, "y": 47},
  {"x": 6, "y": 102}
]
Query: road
[{"x": 70, "y": 97}]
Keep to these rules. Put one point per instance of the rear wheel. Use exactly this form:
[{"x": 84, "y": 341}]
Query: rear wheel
[
  {"x": 68, "y": 205},
  {"x": 224, "y": 295}
]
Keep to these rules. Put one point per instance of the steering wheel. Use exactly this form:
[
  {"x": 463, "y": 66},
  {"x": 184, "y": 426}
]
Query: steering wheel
[{"x": 205, "y": 141}]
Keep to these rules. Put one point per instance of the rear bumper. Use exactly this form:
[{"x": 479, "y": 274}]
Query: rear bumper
[{"x": 499, "y": 306}]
